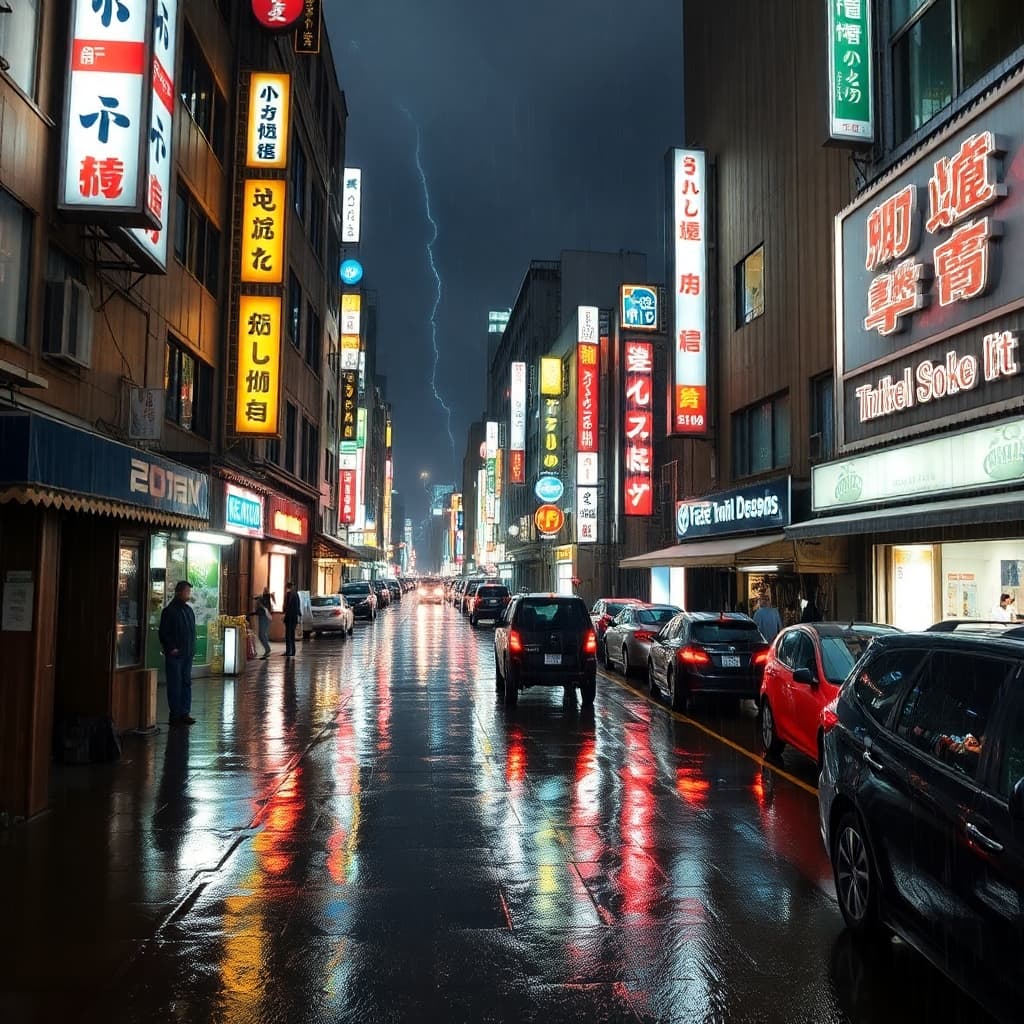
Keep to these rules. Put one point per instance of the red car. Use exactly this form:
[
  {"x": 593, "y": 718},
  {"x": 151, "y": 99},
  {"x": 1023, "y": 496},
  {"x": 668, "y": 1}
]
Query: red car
[
  {"x": 605, "y": 609},
  {"x": 806, "y": 666}
]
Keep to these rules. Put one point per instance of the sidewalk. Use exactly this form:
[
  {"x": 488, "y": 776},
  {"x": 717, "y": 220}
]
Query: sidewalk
[{"x": 123, "y": 846}]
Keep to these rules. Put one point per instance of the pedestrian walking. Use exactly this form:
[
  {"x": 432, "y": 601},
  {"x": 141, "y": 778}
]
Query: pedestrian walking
[
  {"x": 291, "y": 619},
  {"x": 767, "y": 618},
  {"x": 263, "y": 612},
  {"x": 178, "y": 642}
]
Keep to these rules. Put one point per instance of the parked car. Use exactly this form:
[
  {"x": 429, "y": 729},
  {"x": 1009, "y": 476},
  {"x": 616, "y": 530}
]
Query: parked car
[
  {"x": 431, "y": 590},
  {"x": 488, "y": 604},
  {"x": 380, "y": 588},
  {"x": 395, "y": 589},
  {"x": 456, "y": 592},
  {"x": 329, "y": 613},
  {"x": 362, "y": 597},
  {"x": 601, "y": 615},
  {"x": 806, "y": 666},
  {"x": 921, "y": 800},
  {"x": 627, "y": 640},
  {"x": 472, "y": 586},
  {"x": 707, "y": 652},
  {"x": 545, "y": 640}
]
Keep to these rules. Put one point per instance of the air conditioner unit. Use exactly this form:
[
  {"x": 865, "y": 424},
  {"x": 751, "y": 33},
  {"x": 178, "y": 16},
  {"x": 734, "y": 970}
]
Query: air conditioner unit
[
  {"x": 67, "y": 323},
  {"x": 814, "y": 446}
]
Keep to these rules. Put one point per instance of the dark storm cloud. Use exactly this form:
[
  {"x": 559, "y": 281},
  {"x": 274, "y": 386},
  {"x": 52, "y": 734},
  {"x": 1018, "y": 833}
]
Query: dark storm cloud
[{"x": 543, "y": 126}]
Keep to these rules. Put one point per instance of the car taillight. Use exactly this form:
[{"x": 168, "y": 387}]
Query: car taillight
[
  {"x": 761, "y": 658},
  {"x": 694, "y": 656},
  {"x": 590, "y": 642},
  {"x": 515, "y": 642},
  {"x": 829, "y": 715},
  {"x": 644, "y": 634}
]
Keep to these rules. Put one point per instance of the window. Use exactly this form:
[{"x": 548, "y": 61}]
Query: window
[
  {"x": 290, "y": 427},
  {"x": 761, "y": 437},
  {"x": 310, "y": 452},
  {"x": 196, "y": 241},
  {"x": 316, "y": 221},
  {"x": 880, "y": 682},
  {"x": 201, "y": 96},
  {"x": 1012, "y": 768},
  {"x": 332, "y": 410},
  {"x": 294, "y": 309},
  {"x": 18, "y": 37},
  {"x": 312, "y": 339},
  {"x": 15, "y": 251},
  {"x": 328, "y": 465},
  {"x": 188, "y": 390},
  {"x": 299, "y": 177},
  {"x": 129, "y": 603},
  {"x": 822, "y": 417},
  {"x": 750, "y": 287}
]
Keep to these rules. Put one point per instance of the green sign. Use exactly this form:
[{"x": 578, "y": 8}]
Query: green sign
[{"x": 851, "y": 107}]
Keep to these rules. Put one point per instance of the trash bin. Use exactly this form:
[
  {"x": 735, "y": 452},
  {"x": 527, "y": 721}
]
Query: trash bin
[{"x": 234, "y": 650}]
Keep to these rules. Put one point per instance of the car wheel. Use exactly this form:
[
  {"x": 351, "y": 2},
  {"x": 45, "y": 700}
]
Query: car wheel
[
  {"x": 626, "y": 667},
  {"x": 499, "y": 679},
  {"x": 680, "y": 698},
  {"x": 769, "y": 737},
  {"x": 855, "y": 877},
  {"x": 511, "y": 691},
  {"x": 652, "y": 681},
  {"x": 588, "y": 690}
]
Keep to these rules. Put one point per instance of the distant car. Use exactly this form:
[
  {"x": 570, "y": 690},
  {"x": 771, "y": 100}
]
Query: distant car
[
  {"x": 921, "y": 802},
  {"x": 545, "y": 640},
  {"x": 707, "y": 652},
  {"x": 329, "y": 613},
  {"x": 488, "y": 604},
  {"x": 362, "y": 597},
  {"x": 431, "y": 591},
  {"x": 806, "y": 666},
  {"x": 628, "y": 639},
  {"x": 472, "y": 586},
  {"x": 395, "y": 588},
  {"x": 601, "y": 615},
  {"x": 380, "y": 588}
]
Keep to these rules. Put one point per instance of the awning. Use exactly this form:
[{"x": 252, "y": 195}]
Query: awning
[
  {"x": 709, "y": 553},
  {"x": 330, "y": 547},
  {"x": 96, "y": 506},
  {"x": 985, "y": 508}
]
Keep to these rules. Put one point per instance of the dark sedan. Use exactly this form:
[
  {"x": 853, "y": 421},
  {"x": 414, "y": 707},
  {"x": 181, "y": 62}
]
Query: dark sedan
[
  {"x": 362, "y": 597},
  {"x": 705, "y": 652}
]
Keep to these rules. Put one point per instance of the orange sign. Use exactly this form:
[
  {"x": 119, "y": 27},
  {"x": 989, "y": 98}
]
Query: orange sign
[
  {"x": 263, "y": 216},
  {"x": 549, "y": 519},
  {"x": 259, "y": 365}
]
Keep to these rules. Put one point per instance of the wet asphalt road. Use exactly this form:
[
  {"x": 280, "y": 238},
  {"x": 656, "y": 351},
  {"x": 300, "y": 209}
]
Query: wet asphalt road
[{"x": 366, "y": 834}]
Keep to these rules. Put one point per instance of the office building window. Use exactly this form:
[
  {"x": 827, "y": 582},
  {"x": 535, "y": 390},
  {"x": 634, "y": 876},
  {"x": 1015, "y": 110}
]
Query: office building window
[
  {"x": 299, "y": 177},
  {"x": 328, "y": 465},
  {"x": 312, "y": 339},
  {"x": 196, "y": 240},
  {"x": 294, "y": 321},
  {"x": 19, "y": 32},
  {"x": 15, "y": 252},
  {"x": 750, "y": 287},
  {"x": 188, "y": 390},
  {"x": 760, "y": 437},
  {"x": 310, "y": 452},
  {"x": 822, "y": 418},
  {"x": 290, "y": 427},
  {"x": 201, "y": 96},
  {"x": 316, "y": 221}
]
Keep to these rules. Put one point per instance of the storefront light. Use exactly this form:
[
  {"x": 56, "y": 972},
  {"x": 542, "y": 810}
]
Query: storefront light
[
  {"x": 220, "y": 540},
  {"x": 282, "y": 549},
  {"x": 758, "y": 568}
]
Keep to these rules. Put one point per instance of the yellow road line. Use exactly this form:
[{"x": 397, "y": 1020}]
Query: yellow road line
[{"x": 679, "y": 717}]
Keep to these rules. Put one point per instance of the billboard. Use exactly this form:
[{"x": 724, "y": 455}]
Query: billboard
[
  {"x": 638, "y": 429},
  {"x": 851, "y": 106},
  {"x": 517, "y": 433},
  {"x": 258, "y": 382},
  {"x": 269, "y": 109},
  {"x": 639, "y": 309},
  {"x": 264, "y": 212},
  {"x": 351, "y": 205}
]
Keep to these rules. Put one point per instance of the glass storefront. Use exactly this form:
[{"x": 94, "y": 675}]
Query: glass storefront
[{"x": 129, "y": 603}]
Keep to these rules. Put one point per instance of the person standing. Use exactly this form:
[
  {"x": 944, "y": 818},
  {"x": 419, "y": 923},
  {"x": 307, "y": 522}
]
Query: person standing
[
  {"x": 1003, "y": 611},
  {"x": 178, "y": 642},
  {"x": 291, "y": 619},
  {"x": 263, "y": 613},
  {"x": 767, "y": 619}
]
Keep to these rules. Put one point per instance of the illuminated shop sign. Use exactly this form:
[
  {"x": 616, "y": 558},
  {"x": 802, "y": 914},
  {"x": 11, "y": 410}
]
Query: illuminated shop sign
[
  {"x": 551, "y": 376},
  {"x": 587, "y": 392},
  {"x": 351, "y": 272},
  {"x": 689, "y": 405},
  {"x": 263, "y": 216},
  {"x": 926, "y": 332},
  {"x": 351, "y": 205},
  {"x": 639, "y": 310},
  {"x": 351, "y": 306},
  {"x": 742, "y": 510},
  {"x": 517, "y": 433},
  {"x": 276, "y": 14},
  {"x": 243, "y": 511},
  {"x": 638, "y": 429},
  {"x": 549, "y": 489},
  {"x": 105, "y": 127},
  {"x": 349, "y": 404},
  {"x": 587, "y": 321},
  {"x": 287, "y": 520},
  {"x": 586, "y": 468},
  {"x": 347, "y": 488},
  {"x": 269, "y": 107},
  {"x": 851, "y": 108},
  {"x": 258, "y": 383},
  {"x": 549, "y": 520},
  {"x": 551, "y": 437},
  {"x": 491, "y": 443},
  {"x": 307, "y": 28},
  {"x": 586, "y": 515}
]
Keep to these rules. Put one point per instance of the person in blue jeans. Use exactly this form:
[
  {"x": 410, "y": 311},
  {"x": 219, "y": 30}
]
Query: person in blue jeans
[{"x": 178, "y": 642}]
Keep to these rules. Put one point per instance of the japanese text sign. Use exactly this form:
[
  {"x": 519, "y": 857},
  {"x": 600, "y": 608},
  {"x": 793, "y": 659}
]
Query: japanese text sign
[
  {"x": 851, "y": 112},
  {"x": 263, "y": 217},
  {"x": 924, "y": 282},
  {"x": 350, "y": 353},
  {"x": 638, "y": 429},
  {"x": 307, "y": 30},
  {"x": 351, "y": 205},
  {"x": 640, "y": 307},
  {"x": 551, "y": 376},
  {"x": 550, "y": 436},
  {"x": 259, "y": 365},
  {"x": 587, "y": 398},
  {"x": 276, "y": 14},
  {"x": 269, "y": 109},
  {"x": 287, "y": 519},
  {"x": 586, "y": 515},
  {"x": 105, "y": 131},
  {"x": 347, "y": 489},
  {"x": 351, "y": 307},
  {"x": 492, "y": 454},
  {"x": 587, "y": 324},
  {"x": 688, "y": 412},
  {"x": 517, "y": 433}
]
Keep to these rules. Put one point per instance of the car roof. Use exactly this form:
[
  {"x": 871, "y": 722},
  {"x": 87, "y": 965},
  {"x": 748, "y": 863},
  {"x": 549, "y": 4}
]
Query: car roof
[
  {"x": 951, "y": 641},
  {"x": 550, "y": 597},
  {"x": 622, "y": 600},
  {"x": 841, "y": 629},
  {"x": 715, "y": 616},
  {"x": 650, "y": 607},
  {"x": 986, "y": 627}
]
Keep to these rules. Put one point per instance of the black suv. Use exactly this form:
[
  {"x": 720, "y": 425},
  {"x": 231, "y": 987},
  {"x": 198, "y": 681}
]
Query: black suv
[
  {"x": 488, "y": 603},
  {"x": 545, "y": 640},
  {"x": 922, "y": 804}
]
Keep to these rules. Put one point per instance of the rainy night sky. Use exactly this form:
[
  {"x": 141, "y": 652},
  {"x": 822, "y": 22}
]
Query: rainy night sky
[{"x": 543, "y": 127}]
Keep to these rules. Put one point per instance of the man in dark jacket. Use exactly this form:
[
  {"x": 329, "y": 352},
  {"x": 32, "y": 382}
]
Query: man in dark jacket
[
  {"x": 178, "y": 641},
  {"x": 292, "y": 612}
]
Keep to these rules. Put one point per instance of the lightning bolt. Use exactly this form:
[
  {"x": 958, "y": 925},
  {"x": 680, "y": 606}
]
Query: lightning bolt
[{"x": 437, "y": 281}]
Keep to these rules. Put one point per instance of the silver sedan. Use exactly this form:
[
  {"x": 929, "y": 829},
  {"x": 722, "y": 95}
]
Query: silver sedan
[{"x": 628, "y": 638}]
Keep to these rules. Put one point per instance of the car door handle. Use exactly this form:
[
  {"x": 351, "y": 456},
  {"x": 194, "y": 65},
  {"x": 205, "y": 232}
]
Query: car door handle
[
  {"x": 981, "y": 839},
  {"x": 869, "y": 760}
]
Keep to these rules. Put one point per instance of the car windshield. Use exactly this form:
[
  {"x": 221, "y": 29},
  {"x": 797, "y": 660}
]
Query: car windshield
[
  {"x": 325, "y": 602},
  {"x": 840, "y": 653},
  {"x": 356, "y": 588},
  {"x": 540, "y": 615},
  {"x": 655, "y": 616},
  {"x": 724, "y": 631},
  {"x": 613, "y": 608}
]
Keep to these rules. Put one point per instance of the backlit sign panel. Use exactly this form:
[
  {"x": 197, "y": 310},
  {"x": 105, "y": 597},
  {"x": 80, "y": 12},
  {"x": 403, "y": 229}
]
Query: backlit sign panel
[
  {"x": 258, "y": 385},
  {"x": 349, "y": 404},
  {"x": 549, "y": 520},
  {"x": 106, "y": 120},
  {"x": 264, "y": 212},
  {"x": 851, "y": 110},
  {"x": 688, "y": 411},
  {"x": 347, "y": 488},
  {"x": 269, "y": 108},
  {"x": 276, "y": 14},
  {"x": 351, "y": 305},
  {"x": 587, "y": 325},
  {"x": 587, "y": 392},
  {"x": 243, "y": 511},
  {"x": 586, "y": 515},
  {"x": 307, "y": 29},
  {"x": 491, "y": 456},
  {"x": 351, "y": 205},
  {"x": 551, "y": 437},
  {"x": 639, "y": 307},
  {"x": 287, "y": 520},
  {"x": 638, "y": 429},
  {"x": 517, "y": 433},
  {"x": 551, "y": 376}
]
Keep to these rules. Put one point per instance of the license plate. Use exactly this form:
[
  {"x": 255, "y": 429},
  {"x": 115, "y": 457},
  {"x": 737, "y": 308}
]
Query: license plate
[
  {"x": 730, "y": 661},
  {"x": 552, "y": 659}
]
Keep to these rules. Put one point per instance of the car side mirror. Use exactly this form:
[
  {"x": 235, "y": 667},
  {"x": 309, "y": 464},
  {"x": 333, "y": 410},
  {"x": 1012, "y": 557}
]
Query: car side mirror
[
  {"x": 1017, "y": 800},
  {"x": 805, "y": 676}
]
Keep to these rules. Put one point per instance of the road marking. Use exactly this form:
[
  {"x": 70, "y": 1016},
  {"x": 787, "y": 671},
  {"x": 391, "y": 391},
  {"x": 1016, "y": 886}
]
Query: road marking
[{"x": 679, "y": 717}]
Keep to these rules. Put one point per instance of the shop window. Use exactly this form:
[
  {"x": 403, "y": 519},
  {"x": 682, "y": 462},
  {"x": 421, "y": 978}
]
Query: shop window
[
  {"x": 823, "y": 429},
  {"x": 276, "y": 573},
  {"x": 312, "y": 339},
  {"x": 291, "y": 415},
  {"x": 19, "y": 31},
  {"x": 188, "y": 390},
  {"x": 761, "y": 437},
  {"x": 294, "y": 309},
  {"x": 196, "y": 240},
  {"x": 991, "y": 30},
  {"x": 15, "y": 252},
  {"x": 129, "y": 603},
  {"x": 299, "y": 178},
  {"x": 316, "y": 221},
  {"x": 750, "y": 287},
  {"x": 328, "y": 465},
  {"x": 201, "y": 96},
  {"x": 310, "y": 452}
]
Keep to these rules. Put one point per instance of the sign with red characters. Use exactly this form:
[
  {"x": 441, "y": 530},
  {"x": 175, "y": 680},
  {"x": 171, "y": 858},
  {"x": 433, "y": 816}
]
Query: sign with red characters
[
  {"x": 638, "y": 429},
  {"x": 277, "y": 14},
  {"x": 587, "y": 383},
  {"x": 347, "y": 489},
  {"x": 287, "y": 520}
]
